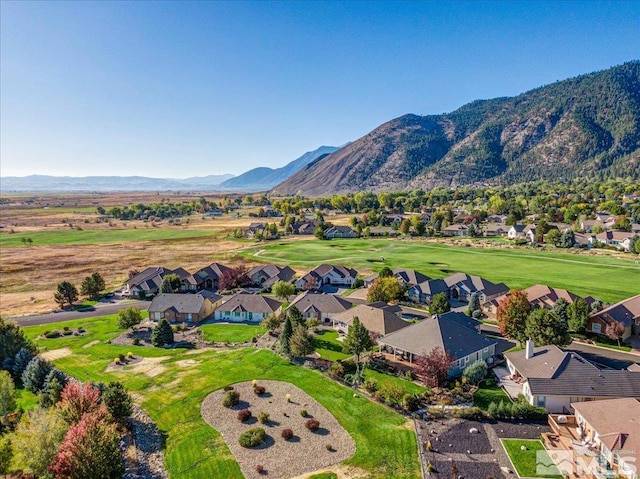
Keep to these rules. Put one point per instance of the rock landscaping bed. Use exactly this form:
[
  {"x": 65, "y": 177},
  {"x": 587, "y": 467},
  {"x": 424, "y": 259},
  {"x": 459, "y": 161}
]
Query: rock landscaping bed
[
  {"x": 307, "y": 449},
  {"x": 520, "y": 429},
  {"x": 146, "y": 460}
]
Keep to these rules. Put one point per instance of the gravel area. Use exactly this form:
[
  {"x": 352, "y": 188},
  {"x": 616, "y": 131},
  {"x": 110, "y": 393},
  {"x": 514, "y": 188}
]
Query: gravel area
[
  {"x": 467, "y": 470},
  {"x": 520, "y": 429},
  {"x": 305, "y": 452},
  {"x": 458, "y": 439},
  {"x": 148, "y": 460}
]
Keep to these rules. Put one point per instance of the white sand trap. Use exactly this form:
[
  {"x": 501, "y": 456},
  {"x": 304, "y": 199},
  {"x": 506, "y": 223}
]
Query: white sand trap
[
  {"x": 56, "y": 354},
  {"x": 149, "y": 366},
  {"x": 92, "y": 343}
]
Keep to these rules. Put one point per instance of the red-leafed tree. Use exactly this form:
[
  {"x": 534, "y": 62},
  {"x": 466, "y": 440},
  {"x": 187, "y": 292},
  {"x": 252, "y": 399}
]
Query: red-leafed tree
[
  {"x": 77, "y": 399},
  {"x": 615, "y": 331},
  {"x": 234, "y": 278},
  {"x": 512, "y": 315},
  {"x": 90, "y": 449},
  {"x": 434, "y": 366}
]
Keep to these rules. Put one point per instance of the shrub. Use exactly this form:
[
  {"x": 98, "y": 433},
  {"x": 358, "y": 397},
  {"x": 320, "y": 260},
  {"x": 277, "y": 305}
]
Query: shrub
[
  {"x": 260, "y": 469},
  {"x": 82, "y": 330},
  {"x": 252, "y": 437},
  {"x": 117, "y": 361},
  {"x": 287, "y": 434},
  {"x": 129, "y": 355},
  {"x": 312, "y": 424},
  {"x": 288, "y": 397},
  {"x": 474, "y": 413},
  {"x": 336, "y": 371},
  {"x": 52, "y": 334},
  {"x": 67, "y": 332},
  {"x": 259, "y": 390},
  {"x": 371, "y": 386},
  {"x": 329, "y": 447},
  {"x": 475, "y": 372},
  {"x": 410, "y": 402},
  {"x": 244, "y": 415},
  {"x": 263, "y": 417},
  {"x": 231, "y": 398},
  {"x": 229, "y": 388},
  {"x": 304, "y": 413},
  {"x": 136, "y": 341},
  {"x": 121, "y": 357},
  {"x": 66, "y": 328}
]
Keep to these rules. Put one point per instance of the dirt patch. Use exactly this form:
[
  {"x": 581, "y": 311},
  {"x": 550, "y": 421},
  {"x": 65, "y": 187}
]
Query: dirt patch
[
  {"x": 56, "y": 354},
  {"x": 187, "y": 363},
  {"x": 343, "y": 472},
  {"x": 149, "y": 366},
  {"x": 92, "y": 343},
  {"x": 306, "y": 452}
]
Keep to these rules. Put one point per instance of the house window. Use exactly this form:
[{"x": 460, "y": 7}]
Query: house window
[
  {"x": 466, "y": 359},
  {"x": 486, "y": 350},
  {"x": 596, "y": 327},
  {"x": 541, "y": 401}
]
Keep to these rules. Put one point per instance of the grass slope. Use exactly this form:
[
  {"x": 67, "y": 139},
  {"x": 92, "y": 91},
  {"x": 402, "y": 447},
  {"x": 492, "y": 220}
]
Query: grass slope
[
  {"x": 486, "y": 394},
  {"x": 75, "y": 237},
  {"x": 518, "y": 268},
  {"x": 386, "y": 447},
  {"x": 526, "y": 461},
  {"x": 328, "y": 347},
  {"x": 231, "y": 333}
]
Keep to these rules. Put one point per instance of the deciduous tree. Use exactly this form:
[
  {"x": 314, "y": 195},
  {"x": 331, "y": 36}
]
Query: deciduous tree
[
  {"x": 7, "y": 394},
  {"x": 614, "y": 330},
  {"x": 170, "y": 283},
  {"x": 234, "y": 278},
  {"x": 358, "y": 340},
  {"x": 37, "y": 439},
  {"x": 545, "y": 327},
  {"x": 512, "y": 315},
  {"x": 385, "y": 289},
  {"x": 578, "y": 315},
  {"x": 439, "y": 304},
  {"x": 283, "y": 289},
  {"x": 78, "y": 399},
  {"x": 6, "y": 455},
  {"x": 128, "y": 318},
  {"x": 271, "y": 322},
  {"x": 433, "y": 366}
]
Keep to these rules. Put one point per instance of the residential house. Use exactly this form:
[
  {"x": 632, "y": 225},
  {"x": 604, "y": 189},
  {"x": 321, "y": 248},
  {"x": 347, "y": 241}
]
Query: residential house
[
  {"x": 495, "y": 230},
  {"x": 500, "y": 219},
  {"x": 455, "y": 230},
  {"x": 554, "y": 379},
  {"x": 454, "y": 332},
  {"x": 626, "y": 312},
  {"x": 606, "y": 219},
  {"x": 266, "y": 275},
  {"x": 527, "y": 232},
  {"x": 462, "y": 285},
  {"x": 587, "y": 226},
  {"x": 327, "y": 274},
  {"x": 378, "y": 319},
  {"x": 619, "y": 239},
  {"x": 304, "y": 227},
  {"x": 323, "y": 307},
  {"x": 612, "y": 428},
  {"x": 340, "y": 232},
  {"x": 209, "y": 276},
  {"x": 183, "y": 308},
  {"x": 407, "y": 277},
  {"x": 243, "y": 307},
  {"x": 258, "y": 230},
  {"x": 539, "y": 296},
  {"x": 146, "y": 283},
  {"x": 188, "y": 282},
  {"x": 424, "y": 292}
]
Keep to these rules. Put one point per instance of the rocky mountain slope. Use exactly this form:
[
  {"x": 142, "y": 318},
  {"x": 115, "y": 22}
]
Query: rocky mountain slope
[
  {"x": 264, "y": 178},
  {"x": 584, "y": 126}
]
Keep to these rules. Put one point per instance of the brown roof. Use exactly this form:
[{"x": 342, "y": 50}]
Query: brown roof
[
  {"x": 617, "y": 421},
  {"x": 376, "y": 320},
  {"x": 625, "y": 312}
]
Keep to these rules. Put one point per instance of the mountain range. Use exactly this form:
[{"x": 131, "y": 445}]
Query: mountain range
[
  {"x": 263, "y": 178},
  {"x": 580, "y": 127}
]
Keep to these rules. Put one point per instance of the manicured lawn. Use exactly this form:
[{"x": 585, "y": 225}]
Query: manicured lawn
[
  {"x": 385, "y": 446},
  {"x": 382, "y": 378},
  {"x": 518, "y": 268},
  {"x": 485, "y": 395},
  {"x": 527, "y": 461},
  {"x": 231, "y": 333},
  {"x": 324, "y": 475},
  {"x": 100, "y": 236},
  {"x": 328, "y": 346}
]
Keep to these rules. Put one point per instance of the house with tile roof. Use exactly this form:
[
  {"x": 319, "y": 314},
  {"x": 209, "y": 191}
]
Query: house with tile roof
[
  {"x": 626, "y": 312},
  {"x": 244, "y": 307},
  {"x": 183, "y": 308},
  {"x": 328, "y": 274},
  {"x": 454, "y": 332},
  {"x": 378, "y": 319},
  {"x": 553, "y": 379},
  {"x": 320, "y": 306}
]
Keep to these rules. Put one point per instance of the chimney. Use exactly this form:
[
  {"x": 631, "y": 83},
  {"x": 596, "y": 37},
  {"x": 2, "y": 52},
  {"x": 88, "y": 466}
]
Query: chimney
[{"x": 528, "y": 353}]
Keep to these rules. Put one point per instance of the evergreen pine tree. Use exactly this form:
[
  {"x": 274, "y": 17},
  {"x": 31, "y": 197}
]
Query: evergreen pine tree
[{"x": 162, "y": 334}]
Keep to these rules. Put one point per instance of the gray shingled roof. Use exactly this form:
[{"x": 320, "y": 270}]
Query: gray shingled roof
[
  {"x": 324, "y": 303},
  {"x": 447, "y": 331},
  {"x": 432, "y": 286},
  {"x": 180, "y": 303},
  {"x": 250, "y": 302}
]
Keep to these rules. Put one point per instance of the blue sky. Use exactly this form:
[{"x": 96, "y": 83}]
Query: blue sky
[{"x": 180, "y": 89}]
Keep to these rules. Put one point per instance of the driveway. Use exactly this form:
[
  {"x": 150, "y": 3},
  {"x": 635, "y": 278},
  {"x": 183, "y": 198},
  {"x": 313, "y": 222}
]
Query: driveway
[{"x": 102, "y": 308}]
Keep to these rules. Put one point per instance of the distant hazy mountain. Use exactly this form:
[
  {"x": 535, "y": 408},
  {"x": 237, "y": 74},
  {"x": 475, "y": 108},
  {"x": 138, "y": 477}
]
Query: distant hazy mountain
[
  {"x": 266, "y": 178},
  {"x": 588, "y": 126},
  {"x": 109, "y": 183}
]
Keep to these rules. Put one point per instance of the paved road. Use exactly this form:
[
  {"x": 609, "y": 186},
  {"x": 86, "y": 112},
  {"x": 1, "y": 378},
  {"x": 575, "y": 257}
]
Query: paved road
[
  {"x": 605, "y": 357},
  {"x": 101, "y": 309}
]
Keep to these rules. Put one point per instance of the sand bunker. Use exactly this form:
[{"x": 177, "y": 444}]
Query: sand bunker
[
  {"x": 149, "y": 366},
  {"x": 56, "y": 354}
]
